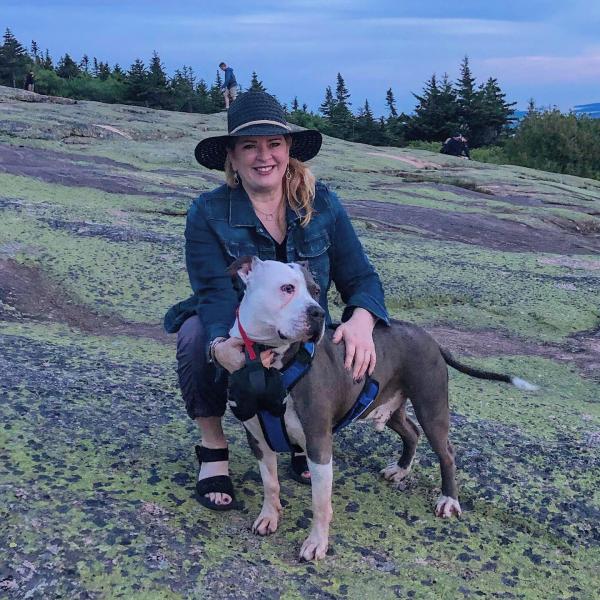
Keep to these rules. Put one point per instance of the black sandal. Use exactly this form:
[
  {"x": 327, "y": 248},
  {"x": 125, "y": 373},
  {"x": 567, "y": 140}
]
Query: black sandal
[
  {"x": 218, "y": 483},
  {"x": 299, "y": 465}
]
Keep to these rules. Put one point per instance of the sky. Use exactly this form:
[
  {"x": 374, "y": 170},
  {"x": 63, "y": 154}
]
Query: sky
[{"x": 548, "y": 50}]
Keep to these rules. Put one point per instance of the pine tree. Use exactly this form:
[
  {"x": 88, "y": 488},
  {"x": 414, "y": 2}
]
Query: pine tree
[
  {"x": 366, "y": 130},
  {"x": 256, "y": 84},
  {"x": 103, "y": 71},
  {"x": 295, "y": 105},
  {"x": 136, "y": 82},
  {"x": 47, "y": 62},
  {"x": 435, "y": 116},
  {"x": 328, "y": 104},
  {"x": 342, "y": 118},
  {"x": 497, "y": 114},
  {"x": 391, "y": 103},
  {"x": 95, "y": 68},
  {"x": 35, "y": 51},
  {"x": 217, "y": 101},
  {"x": 202, "y": 102},
  {"x": 67, "y": 68},
  {"x": 118, "y": 73},
  {"x": 156, "y": 93},
  {"x": 85, "y": 64},
  {"x": 14, "y": 61},
  {"x": 470, "y": 102}
]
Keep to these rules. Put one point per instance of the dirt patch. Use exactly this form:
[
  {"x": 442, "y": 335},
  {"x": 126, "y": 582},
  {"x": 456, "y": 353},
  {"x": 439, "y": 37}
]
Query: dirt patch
[
  {"x": 415, "y": 162},
  {"x": 27, "y": 294},
  {"x": 473, "y": 228},
  {"x": 581, "y": 349},
  {"x": 76, "y": 170}
]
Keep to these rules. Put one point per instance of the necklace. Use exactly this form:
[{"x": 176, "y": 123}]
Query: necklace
[{"x": 268, "y": 216}]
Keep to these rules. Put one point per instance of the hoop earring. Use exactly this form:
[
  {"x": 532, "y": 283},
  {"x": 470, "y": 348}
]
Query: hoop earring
[
  {"x": 235, "y": 178},
  {"x": 288, "y": 174}
]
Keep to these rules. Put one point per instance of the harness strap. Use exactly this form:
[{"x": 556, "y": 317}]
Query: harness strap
[{"x": 365, "y": 399}]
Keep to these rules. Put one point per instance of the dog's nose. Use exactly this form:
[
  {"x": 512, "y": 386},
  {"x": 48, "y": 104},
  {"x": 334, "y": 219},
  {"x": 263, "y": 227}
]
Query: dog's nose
[{"x": 315, "y": 312}]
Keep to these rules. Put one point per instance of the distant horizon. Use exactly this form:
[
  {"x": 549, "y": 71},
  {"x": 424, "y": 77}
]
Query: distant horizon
[{"x": 539, "y": 49}]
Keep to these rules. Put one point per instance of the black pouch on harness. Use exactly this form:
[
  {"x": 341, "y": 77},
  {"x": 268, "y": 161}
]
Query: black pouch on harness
[{"x": 255, "y": 388}]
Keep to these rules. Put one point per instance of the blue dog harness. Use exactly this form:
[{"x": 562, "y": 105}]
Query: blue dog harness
[{"x": 273, "y": 427}]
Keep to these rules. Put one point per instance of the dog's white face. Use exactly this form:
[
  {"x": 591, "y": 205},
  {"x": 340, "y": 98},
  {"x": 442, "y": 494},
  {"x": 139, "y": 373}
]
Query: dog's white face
[{"x": 278, "y": 307}]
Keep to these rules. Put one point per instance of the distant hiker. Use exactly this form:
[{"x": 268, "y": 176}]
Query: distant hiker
[
  {"x": 229, "y": 87},
  {"x": 30, "y": 81},
  {"x": 456, "y": 146}
]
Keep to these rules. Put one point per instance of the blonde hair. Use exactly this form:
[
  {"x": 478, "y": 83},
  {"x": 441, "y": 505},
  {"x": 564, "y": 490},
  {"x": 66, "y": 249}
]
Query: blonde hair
[{"x": 298, "y": 186}]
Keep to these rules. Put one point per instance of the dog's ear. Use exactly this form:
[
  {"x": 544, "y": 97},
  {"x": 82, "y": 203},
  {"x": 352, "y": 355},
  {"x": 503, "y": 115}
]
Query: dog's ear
[
  {"x": 243, "y": 266},
  {"x": 311, "y": 285}
]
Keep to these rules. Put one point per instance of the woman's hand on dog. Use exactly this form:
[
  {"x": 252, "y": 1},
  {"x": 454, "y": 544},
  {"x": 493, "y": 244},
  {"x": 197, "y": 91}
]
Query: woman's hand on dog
[
  {"x": 357, "y": 333},
  {"x": 230, "y": 354}
]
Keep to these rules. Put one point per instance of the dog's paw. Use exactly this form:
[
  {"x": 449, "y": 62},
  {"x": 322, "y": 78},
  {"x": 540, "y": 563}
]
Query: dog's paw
[
  {"x": 447, "y": 507},
  {"x": 395, "y": 473},
  {"x": 314, "y": 547},
  {"x": 267, "y": 522}
]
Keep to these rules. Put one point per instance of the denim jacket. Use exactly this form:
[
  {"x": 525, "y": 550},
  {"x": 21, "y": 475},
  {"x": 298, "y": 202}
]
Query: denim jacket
[{"x": 222, "y": 226}]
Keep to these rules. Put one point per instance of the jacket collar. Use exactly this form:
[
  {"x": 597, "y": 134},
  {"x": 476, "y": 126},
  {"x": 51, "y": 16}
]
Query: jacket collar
[{"x": 241, "y": 213}]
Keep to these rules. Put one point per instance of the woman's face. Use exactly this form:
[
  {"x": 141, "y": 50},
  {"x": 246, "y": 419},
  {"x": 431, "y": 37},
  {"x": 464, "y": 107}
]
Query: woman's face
[{"x": 261, "y": 162}]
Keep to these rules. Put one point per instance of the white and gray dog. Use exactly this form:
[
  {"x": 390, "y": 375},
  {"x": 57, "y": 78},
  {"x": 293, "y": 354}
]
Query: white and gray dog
[{"x": 279, "y": 309}]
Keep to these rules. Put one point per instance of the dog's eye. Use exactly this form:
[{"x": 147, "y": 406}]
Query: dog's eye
[{"x": 288, "y": 288}]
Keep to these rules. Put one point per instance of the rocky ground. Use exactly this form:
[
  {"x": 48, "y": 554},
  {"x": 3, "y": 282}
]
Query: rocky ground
[{"x": 500, "y": 263}]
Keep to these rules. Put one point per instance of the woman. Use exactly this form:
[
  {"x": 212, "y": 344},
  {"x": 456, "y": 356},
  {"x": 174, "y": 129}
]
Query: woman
[{"x": 270, "y": 207}]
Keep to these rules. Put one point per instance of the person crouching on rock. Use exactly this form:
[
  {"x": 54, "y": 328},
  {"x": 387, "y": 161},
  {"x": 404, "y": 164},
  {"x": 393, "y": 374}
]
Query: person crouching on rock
[{"x": 270, "y": 207}]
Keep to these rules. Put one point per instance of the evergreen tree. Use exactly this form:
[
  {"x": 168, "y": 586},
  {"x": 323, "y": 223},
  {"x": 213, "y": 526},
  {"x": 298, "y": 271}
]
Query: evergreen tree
[
  {"x": 497, "y": 114},
  {"x": 328, "y": 104},
  {"x": 67, "y": 68},
  {"x": 84, "y": 65},
  {"x": 295, "y": 105},
  {"x": 391, "y": 103},
  {"x": 47, "y": 62},
  {"x": 436, "y": 114},
  {"x": 366, "y": 130},
  {"x": 103, "y": 71},
  {"x": 35, "y": 52},
  {"x": 118, "y": 73},
  {"x": 203, "y": 100},
  {"x": 14, "y": 61},
  {"x": 470, "y": 102},
  {"x": 156, "y": 93},
  {"x": 341, "y": 117},
  {"x": 136, "y": 82},
  {"x": 256, "y": 84},
  {"x": 95, "y": 68},
  {"x": 304, "y": 107},
  {"x": 217, "y": 101}
]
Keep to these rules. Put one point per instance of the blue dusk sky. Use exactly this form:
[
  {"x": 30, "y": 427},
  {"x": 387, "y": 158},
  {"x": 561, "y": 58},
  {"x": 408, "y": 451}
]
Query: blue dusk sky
[{"x": 548, "y": 50}]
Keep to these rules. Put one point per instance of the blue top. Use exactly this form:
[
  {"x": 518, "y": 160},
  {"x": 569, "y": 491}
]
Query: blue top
[
  {"x": 222, "y": 226},
  {"x": 229, "y": 79}
]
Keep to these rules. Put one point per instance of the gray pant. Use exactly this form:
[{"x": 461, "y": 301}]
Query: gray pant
[{"x": 203, "y": 395}]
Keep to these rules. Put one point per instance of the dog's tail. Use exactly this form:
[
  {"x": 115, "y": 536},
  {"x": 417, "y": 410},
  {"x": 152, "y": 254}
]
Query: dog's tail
[{"x": 516, "y": 381}]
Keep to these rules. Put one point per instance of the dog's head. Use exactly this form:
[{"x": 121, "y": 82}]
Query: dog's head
[{"x": 280, "y": 304}]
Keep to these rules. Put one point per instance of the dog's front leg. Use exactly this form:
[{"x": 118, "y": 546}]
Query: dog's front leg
[
  {"x": 268, "y": 519},
  {"x": 321, "y": 475}
]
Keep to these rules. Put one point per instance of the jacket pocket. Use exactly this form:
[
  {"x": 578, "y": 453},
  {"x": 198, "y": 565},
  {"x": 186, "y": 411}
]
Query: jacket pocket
[
  {"x": 314, "y": 246},
  {"x": 238, "y": 249}
]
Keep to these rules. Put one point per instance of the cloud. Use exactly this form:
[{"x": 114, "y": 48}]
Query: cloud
[
  {"x": 455, "y": 26},
  {"x": 548, "y": 69}
]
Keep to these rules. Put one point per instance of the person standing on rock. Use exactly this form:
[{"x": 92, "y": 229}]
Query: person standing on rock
[
  {"x": 230, "y": 86},
  {"x": 30, "y": 81}
]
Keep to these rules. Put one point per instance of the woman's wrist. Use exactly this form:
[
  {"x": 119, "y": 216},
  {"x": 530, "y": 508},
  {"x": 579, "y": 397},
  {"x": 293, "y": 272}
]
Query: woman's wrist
[
  {"x": 212, "y": 346},
  {"x": 363, "y": 315}
]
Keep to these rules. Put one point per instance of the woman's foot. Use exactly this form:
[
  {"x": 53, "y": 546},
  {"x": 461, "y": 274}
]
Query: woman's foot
[
  {"x": 214, "y": 487},
  {"x": 299, "y": 466}
]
